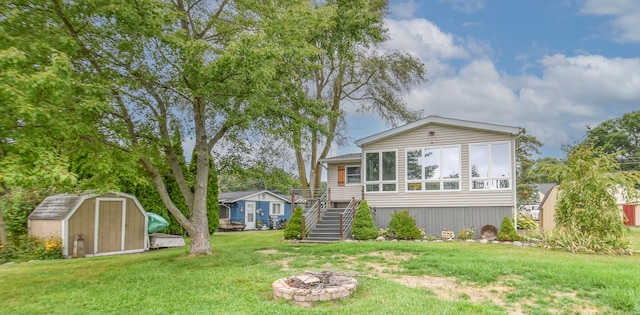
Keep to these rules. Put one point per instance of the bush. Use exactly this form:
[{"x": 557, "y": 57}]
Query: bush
[
  {"x": 577, "y": 242},
  {"x": 403, "y": 226},
  {"x": 293, "y": 231},
  {"x": 364, "y": 228},
  {"x": 467, "y": 234},
  {"x": 507, "y": 231},
  {"x": 17, "y": 206},
  {"x": 26, "y": 247},
  {"x": 526, "y": 223}
]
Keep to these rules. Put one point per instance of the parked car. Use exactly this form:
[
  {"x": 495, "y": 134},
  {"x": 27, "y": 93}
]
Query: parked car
[{"x": 532, "y": 211}]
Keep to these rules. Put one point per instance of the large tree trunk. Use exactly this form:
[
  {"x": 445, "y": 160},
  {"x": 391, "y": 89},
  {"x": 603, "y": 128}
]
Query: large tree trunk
[
  {"x": 3, "y": 231},
  {"x": 200, "y": 232}
]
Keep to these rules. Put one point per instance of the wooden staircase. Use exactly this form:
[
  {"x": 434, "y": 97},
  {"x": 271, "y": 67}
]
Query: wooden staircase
[{"x": 328, "y": 228}]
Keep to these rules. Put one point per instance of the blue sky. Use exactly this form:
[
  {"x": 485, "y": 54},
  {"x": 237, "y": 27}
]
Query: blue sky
[{"x": 550, "y": 66}]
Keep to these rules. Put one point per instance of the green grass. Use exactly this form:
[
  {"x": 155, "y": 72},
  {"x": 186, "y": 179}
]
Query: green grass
[{"x": 237, "y": 279}]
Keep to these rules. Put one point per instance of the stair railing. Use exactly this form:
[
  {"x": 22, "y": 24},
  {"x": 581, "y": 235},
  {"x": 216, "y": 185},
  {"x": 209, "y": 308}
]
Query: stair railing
[
  {"x": 312, "y": 216},
  {"x": 346, "y": 218}
]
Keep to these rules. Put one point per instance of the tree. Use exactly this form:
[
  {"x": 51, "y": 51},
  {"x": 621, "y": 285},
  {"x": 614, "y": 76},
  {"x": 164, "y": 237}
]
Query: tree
[
  {"x": 586, "y": 204},
  {"x": 526, "y": 146},
  {"x": 622, "y": 136},
  {"x": 218, "y": 68},
  {"x": 364, "y": 228},
  {"x": 348, "y": 70}
]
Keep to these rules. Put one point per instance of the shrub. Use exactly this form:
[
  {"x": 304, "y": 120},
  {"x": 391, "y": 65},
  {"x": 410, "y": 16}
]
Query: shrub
[
  {"x": 467, "y": 234},
  {"x": 26, "y": 247},
  {"x": 403, "y": 226},
  {"x": 576, "y": 242},
  {"x": 526, "y": 223},
  {"x": 16, "y": 207},
  {"x": 507, "y": 231},
  {"x": 293, "y": 231},
  {"x": 364, "y": 228}
]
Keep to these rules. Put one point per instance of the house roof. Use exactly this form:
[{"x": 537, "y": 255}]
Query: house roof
[
  {"x": 351, "y": 157},
  {"x": 442, "y": 121},
  {"x": 545, "y": 187},
  {"x": 233, "y": 196},
  {"x": 57, "y": 207}
]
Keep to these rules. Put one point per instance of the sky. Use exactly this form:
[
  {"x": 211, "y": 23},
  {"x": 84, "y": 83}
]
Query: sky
[{"x": 552, "y": 67}]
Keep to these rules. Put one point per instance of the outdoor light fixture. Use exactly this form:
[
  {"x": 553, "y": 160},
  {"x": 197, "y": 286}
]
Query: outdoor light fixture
[{"x": 432, "y": 133}]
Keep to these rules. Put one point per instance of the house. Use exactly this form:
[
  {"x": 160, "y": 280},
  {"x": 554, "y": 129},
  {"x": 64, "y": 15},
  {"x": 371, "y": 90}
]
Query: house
[
  {"x": 450, "y": 173},
  {"x": 112, "y": 223},
  {"x": 629, "y": 209},
  {"x": 245, "y": 209}
]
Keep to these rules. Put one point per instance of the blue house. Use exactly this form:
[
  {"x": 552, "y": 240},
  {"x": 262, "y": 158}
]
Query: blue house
[{"x": 246, "y": 209}]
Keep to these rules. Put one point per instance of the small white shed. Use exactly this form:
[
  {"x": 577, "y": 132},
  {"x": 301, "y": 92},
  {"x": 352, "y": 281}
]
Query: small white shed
[{"x": 113, "y": 223}]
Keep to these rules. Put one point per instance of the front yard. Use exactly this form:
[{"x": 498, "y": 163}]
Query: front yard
[{"x": 393, "y": 278}]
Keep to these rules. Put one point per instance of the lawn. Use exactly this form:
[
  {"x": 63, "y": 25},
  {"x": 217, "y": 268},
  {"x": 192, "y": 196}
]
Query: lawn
[{"x": 393, "y": 278}]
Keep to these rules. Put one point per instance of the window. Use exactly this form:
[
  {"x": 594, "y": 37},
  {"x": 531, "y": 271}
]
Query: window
[
  {"x": 380, "y": 171},
  {"x": 353, "y": 175},
  {"x": 350, "y": 174},
  {"x": 490, "y": 166},
  {"x": 436, "y": 168},
  {"x": 276, "y": 209}
]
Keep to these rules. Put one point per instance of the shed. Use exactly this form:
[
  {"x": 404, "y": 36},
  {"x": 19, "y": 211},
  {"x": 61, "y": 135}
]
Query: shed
[{"x": 112, "y": 223}]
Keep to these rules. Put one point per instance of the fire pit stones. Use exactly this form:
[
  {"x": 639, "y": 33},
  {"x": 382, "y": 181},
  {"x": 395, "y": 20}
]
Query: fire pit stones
[{"x": 312, "y": 287}]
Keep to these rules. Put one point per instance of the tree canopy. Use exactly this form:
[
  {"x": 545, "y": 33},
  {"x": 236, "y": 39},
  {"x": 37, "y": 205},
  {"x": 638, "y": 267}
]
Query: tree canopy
[
  {"x": 620, "y": 136},
  {"x": 213, "y": 68}
]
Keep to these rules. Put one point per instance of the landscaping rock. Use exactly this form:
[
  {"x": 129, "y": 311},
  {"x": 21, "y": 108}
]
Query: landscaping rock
[
  {"x": 471, "y": 241},
  {"x": 516, "y": 243},
  {"x": 483, "y": 241},
  {"x": 380, "y": 239}
]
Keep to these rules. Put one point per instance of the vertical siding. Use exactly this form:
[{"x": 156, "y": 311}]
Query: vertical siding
[
  {"x": 548, "y": 210},
  {"x": 434, "y": 220},
  {"x": 110, "y": 226},
  {"x": 82, "y": 222},
  {"x": 134, "y": 227},
  {"x": 444, "y": 135}
]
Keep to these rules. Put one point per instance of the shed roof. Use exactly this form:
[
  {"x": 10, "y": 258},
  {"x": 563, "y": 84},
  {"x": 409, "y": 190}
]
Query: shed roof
[
  {"x": 438, "y": 120},
  {"x": 233, "y": 196},
  {"x": 57, "y": 207}
]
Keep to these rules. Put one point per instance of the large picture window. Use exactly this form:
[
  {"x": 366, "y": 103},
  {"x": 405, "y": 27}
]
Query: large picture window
[
  {"x": 436, "y": 168},
  {"x": 380, "y": 171},
  {"x": 490, "y": 166}
]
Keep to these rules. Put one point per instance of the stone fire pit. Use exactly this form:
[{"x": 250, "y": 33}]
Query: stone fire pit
[{"x": 315, "y": 286}]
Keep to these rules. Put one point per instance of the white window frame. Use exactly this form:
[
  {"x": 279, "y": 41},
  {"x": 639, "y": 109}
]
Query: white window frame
[
  {"x": 379, "y": 182},
  {"x": 346, "y": 175},
  {"x": 272, "y": 206},
  {"x": 491, "y": 182},
  {"x": 440, "y": 180}
]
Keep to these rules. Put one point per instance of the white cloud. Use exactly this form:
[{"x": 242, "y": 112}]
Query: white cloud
[
  {"x": 426, "y": 40},
  {"x": 466, "y": 6},
  {"x": 625, "y": 16},
  {"x": 404, "y": 9},
  {"x": 555, "y": 103}
]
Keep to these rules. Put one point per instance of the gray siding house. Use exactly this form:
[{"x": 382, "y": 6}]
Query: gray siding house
[{"x": 450, "y": 173}]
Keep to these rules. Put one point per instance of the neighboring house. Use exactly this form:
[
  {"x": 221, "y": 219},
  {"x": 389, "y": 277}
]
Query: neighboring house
[
  {"x": 113, "y": 223},
  {"x": 542, "y": 189},
  {"x": 629, "y": 209},
  {"x": 450, "y": 173},
  {"x": 246, "y": 208}
]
